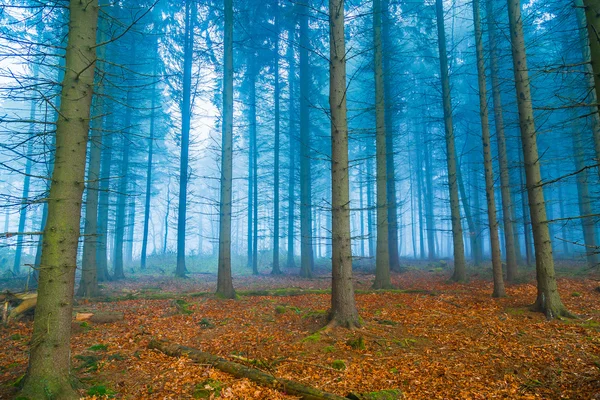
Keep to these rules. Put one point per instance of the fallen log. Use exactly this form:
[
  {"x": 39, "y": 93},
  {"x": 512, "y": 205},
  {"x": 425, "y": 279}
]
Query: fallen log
[
  {"x": 22, "y": 302},
  {"x": 241, "y": 371},
  {"x": 100, "y": 317}
]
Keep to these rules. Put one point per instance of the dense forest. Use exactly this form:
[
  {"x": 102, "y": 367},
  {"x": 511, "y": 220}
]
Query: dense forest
[{"x": 434, "y": 147}]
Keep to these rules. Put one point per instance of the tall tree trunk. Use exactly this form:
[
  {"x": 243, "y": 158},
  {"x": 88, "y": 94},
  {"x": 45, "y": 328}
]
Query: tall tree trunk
[
  {"x": 499, "y": 290},
  {"x": 592, "y": 18},
  {"x": 48, "y": 375},
  {"x": 26, "y": 182},
  {"x": 585, "y": 202},
  {"x": 306, "y": 249},
  {"x": 149, "y": 166},
  {"x": 392, "y": 201},
  {"x": 457, "y": 232},
  {"x": 290, "y": 263},
  {"x": 224, "y": 281},
  {"x": 88, "y": 284},
  {"x": 429, "y": 216},
  {"x": 370, "y": 203},
  {"x": 472, "y": 234},
  {"x": 186, "y": 110},
  {"x": 361, "y": 175},
  {"x": 382, "y": 259},
  {"x": 511, "y": 246},
  {"x": 275, "y": 268},
  {"x": 419, "y": 170},
  {"x": 104, "y": 206},
  {"x": 166, "y": 221},
  {"x": 130, "y": 225},
  {"x": 122, "y": 195},
  {"x": 343, "y": 306},
  {"x": 529, "y": 256},
  {"x": 548, "y": 299}
]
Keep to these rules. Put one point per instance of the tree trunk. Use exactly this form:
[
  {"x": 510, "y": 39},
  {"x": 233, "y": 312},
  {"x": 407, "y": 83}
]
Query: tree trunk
[
  {"x": 457, "y": 232},
  {"x": 275, "y": 268},
  {"x": 88, "y": 285},
  {"x": 487, "y": 156},
  {"x": 49, "y": 360},
  {"x": 343, "y": 306},
  {"x": 224, "y": 281},
  {"x": 592, "y": 18},
  {"x": 392, "y": 201},
  {"x": 548, "y": 299},
  {"x": 382, "y": 259},
  {"x": 306, "y": 250},
  {"x": 104, "y": 206},
  {"x": 130, "y": 224},
  {"x": 122, "y": 195},
  {"x": 290, "y": 263},
  {"x": 370, "y": 202},
  {"x": 429, "y": 216},
  {"x": 186, "y": 110},
  {"x": 511, "y": 245},
  {"x": 26, "y": 183},
  {"x": 149, "y": 166},
  {"x": 419, "y": 170}
]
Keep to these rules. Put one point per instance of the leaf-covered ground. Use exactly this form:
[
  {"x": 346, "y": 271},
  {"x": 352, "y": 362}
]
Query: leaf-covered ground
[{"x": 433, "y": 339}]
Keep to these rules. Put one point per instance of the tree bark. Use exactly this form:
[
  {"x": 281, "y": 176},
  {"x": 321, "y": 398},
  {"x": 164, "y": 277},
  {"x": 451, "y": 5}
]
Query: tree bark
[
  {"x": 382, "y": 259},
  {"x": 343, "y": 306},
  {"x": 224, "y": 281},
  {"x": 592, "y": 18},
  {"x": 499, "y": 290},
  {"x": 290, "y": 263},
  {"x": 306, "y": 250},
  {"x": 457, "y": 232},
  {"x": 186, "y": 111},
  {"x": 49, "y": 360},
  {"x": 548, "y": 299},
  {"x": 511, "y": 245},
  {"x": 275, "y": 268}
]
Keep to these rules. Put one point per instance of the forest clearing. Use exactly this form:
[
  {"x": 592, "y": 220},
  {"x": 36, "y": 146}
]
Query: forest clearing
[{"x": 431, "y": 339}]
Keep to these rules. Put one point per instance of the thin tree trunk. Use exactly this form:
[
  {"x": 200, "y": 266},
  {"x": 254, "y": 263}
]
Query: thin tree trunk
[
  {"x": 149, "y": 166},
  {"x": 429, "y": 216},
  {"x": 457, "y": 232},
  {"x": 370, "y": 202},
  {"x": 166, "y": 221},
  {"x": 122, "y": 195},
  {"x": 419, "y": 170},
  {"x": 592, "y": 18},
  {"x": 88, "y": 285},
  {"x": 186, "y": 110},
  {"x": 306, "y": 250},
  {"x": 499, "y": 290},
  {"x": 393, "y": 230},
  {"x": 130, "y": 226},
  {"x": 48, "y": 375},
  {"x": 382, "y": 259},
  {"x": 224, "y": 281},
  {"x": 511, "y": 245},
  {"x": 343, "y": 306},
  {"x": 104, "y": 206},
  {"x": 292, "y": 156},
  {"x": 548, "y": 299},
  {"x": 275, "y": 269}
]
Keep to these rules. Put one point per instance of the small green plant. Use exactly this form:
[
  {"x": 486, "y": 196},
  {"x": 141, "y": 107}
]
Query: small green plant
[
  {"x": 89, "y": 363},
  {"x": 394, "y": 370},
  {"x": 315, "y": 337},
  {"x": 206, "y": 389},
  {"x": 315, "y": 314},
  {"x": 575, "y": 294},
  {"x": 280, "y": 309},
  {"x": 116, "y": 357},
  {"x": 16, "y": 336},
  {"x": 357, "y": 344},
  {"x": 101, "y": 390},
  {"x": 387, "y": 322},
  {"x": 329, "y": 349},
  {"x": 405, "y": 343},
  {"x": 84, "y": 325},
  {"x": 99, "y": 347},
  {"x": 340, "y": 365},
  {"x": 182, "y": 306},
  {"x": 206, "y": 323}
]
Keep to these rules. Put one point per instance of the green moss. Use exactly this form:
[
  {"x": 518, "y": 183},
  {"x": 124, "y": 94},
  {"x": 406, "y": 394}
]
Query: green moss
[
  {"x": 340, "y": 365},
  {"x": 99, "y": 347},
  {"x": 357, "y": 344},
  {"x": 101, "y": 390},
  {"x": 315, "y": 314},
  {"x": 387, "y": 322},
  {"x": 389, "y": 394},
  {"x": 206, "y": 389},
  {"x": 16, "y": 336},
  {"x": 89, "y": 363},
  {"x": 116, "y": 357},
  {"x": 280, "y": 309},
  {"x": 183, "y": 307},
  {"x": 206, "y": 323},
  {"x": 329, "y": 349},
  {"x": 406, "y": 342},
  {"x": 315, "y": 337}
]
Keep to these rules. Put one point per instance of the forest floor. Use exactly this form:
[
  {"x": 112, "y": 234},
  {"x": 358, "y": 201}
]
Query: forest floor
[{"x": 431, "y": 339}]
